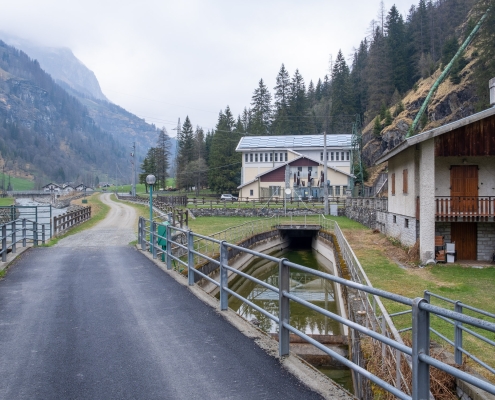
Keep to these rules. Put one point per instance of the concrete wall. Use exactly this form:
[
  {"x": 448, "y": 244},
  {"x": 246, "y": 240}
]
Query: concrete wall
[{"x": 427, "y": 200}]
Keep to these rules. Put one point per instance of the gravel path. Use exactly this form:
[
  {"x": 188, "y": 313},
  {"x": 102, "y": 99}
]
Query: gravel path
[{"x": 117, "y": 229}]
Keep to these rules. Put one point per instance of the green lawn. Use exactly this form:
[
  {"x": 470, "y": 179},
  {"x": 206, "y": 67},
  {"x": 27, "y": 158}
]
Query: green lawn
[
  {"x": 17, "y": 184},
  {"x": 6, "y": 201}
]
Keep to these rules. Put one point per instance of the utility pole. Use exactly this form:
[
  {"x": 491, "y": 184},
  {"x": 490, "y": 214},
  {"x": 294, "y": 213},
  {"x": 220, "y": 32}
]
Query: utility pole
[
  {"x": 325, "y": 170},
  {"x": 133, "y": 167}
]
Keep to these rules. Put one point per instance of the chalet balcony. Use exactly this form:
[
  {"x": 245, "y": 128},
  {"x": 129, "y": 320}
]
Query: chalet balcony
[{"x": 465, "y": 208}]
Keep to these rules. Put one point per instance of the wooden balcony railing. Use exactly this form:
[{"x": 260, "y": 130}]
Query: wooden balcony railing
[{"x": 468, "y": 207}]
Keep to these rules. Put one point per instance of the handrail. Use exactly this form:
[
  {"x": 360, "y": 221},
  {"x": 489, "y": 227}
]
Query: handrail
[
  {"x": 417, "y": 354},
  {"x": 11, "y": 235}
]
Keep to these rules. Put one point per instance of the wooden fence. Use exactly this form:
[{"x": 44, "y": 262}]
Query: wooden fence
[{"x": 70, "y": 219}]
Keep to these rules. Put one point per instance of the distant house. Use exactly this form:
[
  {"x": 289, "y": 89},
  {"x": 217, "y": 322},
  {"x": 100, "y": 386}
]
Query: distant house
[
  {"x": 82, "y": 187},
  {"x": 67, "y": 189},
  {"x": 441, "y": 184},
  {"x": 52, "y": 187},
  {"x": 271, "y": 164}
]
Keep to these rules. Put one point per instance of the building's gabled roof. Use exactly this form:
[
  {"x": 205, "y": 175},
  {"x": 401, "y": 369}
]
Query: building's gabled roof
[
  {"x": 292, "y": 142},
  {"x": 413, "y": 140},
  {"x": 51, "y": 184},
  {"x": 289, "y": 163}
]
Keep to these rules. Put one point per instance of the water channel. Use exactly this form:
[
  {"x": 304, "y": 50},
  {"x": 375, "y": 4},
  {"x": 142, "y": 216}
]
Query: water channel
[{"x": 306, "y": 286}]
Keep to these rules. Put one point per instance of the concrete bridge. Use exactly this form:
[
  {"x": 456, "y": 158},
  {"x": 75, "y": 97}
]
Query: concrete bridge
[{"x": 92, "y": 317}]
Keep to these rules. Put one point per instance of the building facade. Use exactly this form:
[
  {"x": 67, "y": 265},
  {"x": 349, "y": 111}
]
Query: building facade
[
  {"x": 271, "y": 164},
  {"x": 441, "y": 183}
]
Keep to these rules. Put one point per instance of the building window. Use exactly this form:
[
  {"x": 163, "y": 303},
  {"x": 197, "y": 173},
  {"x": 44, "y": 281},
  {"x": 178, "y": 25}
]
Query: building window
[
  {"x": 246, "y": 157},
  {"x": 281, "y": 156},
  {"x": 276, "y": 157},
  {"x": 255, "y": 157},
  {"x": 251, "y": 157},
  {"x": 348, "y": 156},
  {"x": 286, "y": 157},
  {"x": 251, "y": 192},
  {"x": 266, "y": 157},
  {"x": 321, "y": 156},
  {"x": 330, "y": 191},
  {"x": 394, "y": 218},
  {"x": 344, "y": 189},
  {"x": 271, "y": 157},
  {"x": 404, "y": 181},
  {"x": 299, "y": 169},
  {"x": 331, "y": 156},
  {"x": 393, "y": 184},
  {"x": 406, "y": 223},
  {"x": 337, "y": 190},
  {"x": 336, "y": 156}
]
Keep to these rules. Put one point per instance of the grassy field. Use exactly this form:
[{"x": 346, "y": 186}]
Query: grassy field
[
  {"x": 6, "y": 201},
  {"x": 18, "y": 184}
]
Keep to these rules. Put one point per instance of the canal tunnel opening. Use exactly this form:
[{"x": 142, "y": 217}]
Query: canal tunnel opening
[{"x": 300, "y": 238}]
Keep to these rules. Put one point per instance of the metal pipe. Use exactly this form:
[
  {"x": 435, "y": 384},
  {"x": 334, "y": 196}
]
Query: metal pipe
[{"x": 444, "y": 74}]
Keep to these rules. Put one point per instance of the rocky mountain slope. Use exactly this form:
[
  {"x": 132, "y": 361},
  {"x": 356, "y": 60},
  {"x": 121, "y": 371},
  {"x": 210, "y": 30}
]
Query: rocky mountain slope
[
  {"x": 450, "y": 103},
  {"x": 46, "y": 132}
]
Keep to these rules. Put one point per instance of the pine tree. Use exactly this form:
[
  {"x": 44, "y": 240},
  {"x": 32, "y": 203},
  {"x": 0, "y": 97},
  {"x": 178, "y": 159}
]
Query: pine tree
[
  {"x": 297, "y": 109},
  {"x": 162, "y": 158},
  {"x": 341, "y": 104},
  {"x": 185, "y": 151},
  {"x": 261, "y": 111},
  {"x": 396, "y": 44},
  {"x": 224, "y": 173},
  {"x": 280, "y": 125}
]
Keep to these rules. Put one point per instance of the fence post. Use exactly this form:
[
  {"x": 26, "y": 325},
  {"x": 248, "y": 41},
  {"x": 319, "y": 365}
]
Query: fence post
[
  {"x": 139, "y": 232},
  {"x": 4, "y": 242},
  {"x": 153, "y": 240},
  {"x": 458, "y": 335},
  {"x": 35, "y": 234},
  {"x": 420, "y": 346},
  {"x": 284, "y": 307},
  {"x": 54, "y": 226},
  {"x": 190, "y": 258},
  {"x": 224, "y": 296},
  {"x": 169, "y": 245},
  {"x": 24, "y": 232},
  {"x": 14, "y": 238},
  {"x": 43, "y": 234}
]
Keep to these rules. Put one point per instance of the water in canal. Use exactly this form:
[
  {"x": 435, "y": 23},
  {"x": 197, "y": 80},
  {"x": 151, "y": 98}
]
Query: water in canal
[{"x": 309, "y": 287}]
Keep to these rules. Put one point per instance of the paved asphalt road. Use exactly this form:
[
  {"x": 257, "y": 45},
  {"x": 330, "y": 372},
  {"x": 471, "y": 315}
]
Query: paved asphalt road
[{"x": 106, "y": 323}]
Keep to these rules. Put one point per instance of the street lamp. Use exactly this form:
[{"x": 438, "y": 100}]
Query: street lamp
[{"x": 150, "y": 180}]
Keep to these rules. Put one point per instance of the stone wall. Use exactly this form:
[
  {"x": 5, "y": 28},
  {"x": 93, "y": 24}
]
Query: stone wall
[
  {"x": 366, "y": 216},
  {"x": 486, "y": 241},
  {"x": 254, "y": 212}
]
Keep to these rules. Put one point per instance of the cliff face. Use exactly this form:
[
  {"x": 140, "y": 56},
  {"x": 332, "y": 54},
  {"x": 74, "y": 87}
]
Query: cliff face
[
  {"x": 450, "y": 103},
  {"x": 63, "y": 66},
  {"x": 44, "y": 131}
]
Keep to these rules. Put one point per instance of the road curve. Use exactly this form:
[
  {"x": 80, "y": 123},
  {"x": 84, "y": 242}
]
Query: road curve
[{"x": 102, "y": 321}]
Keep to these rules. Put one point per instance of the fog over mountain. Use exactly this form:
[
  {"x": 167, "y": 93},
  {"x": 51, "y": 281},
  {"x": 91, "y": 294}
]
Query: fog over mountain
[{"x": 64, "y": 67}]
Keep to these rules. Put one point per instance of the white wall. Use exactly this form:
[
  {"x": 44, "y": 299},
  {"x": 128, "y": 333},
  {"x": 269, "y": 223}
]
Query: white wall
[
  {"x": 403, "y": 203},
  {"x": 486, "y": 174}
]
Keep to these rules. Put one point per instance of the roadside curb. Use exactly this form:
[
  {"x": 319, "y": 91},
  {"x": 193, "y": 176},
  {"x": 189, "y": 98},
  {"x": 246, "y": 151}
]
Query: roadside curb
[{"x": 11, "y": 257}]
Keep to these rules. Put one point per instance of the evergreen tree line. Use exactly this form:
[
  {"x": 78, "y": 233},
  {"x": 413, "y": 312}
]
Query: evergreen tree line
[{"x": 387, "y": 63}]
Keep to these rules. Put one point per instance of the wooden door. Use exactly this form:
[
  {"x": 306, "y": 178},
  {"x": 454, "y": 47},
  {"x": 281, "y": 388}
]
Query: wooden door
[
  {"x": 465, "y": 234},
  {"x": 464, "y": 189}
]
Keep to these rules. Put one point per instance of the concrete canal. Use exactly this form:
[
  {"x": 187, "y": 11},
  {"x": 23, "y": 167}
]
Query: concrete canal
[{"x": 310, "y": 288}]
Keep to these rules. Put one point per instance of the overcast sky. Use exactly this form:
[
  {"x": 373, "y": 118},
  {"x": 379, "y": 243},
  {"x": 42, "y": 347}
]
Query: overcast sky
[{"x": 163, "y": 59}]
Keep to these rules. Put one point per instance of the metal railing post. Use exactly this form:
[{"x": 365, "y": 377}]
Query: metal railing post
[
  {"x": 43, "y": 234},
  {"x": 224, "y": 296},
  {"x": 24, "y": 232},
  {"x": 190, "y": 258},
  {"x": 458, "y": 335},
  {"x": 153, "y": 239},
  {"x": 35, "y": 234},
  {"x": 420, "y": 346},
  {"x": 14, "y": 236},
  {"x": 283, "y": 307},
  {"x": 4, "y": 243},
  {"x": 169, "y": 246},
  {"x": 139, "y": 232}
]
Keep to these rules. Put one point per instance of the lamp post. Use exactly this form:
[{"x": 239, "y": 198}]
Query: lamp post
[{"x": 150, "y": 180}]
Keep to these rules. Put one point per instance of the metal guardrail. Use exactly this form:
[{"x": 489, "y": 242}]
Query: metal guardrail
[
  {"x": 17, "y": 231},
  {"x": 459, "y": 329},
  {"x": 418, "y": 353}
]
